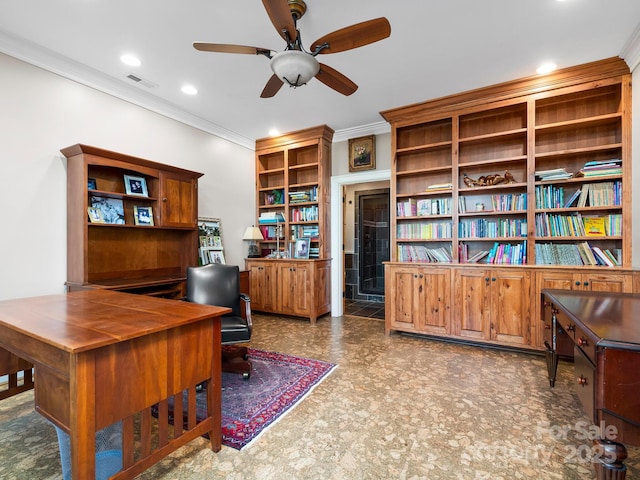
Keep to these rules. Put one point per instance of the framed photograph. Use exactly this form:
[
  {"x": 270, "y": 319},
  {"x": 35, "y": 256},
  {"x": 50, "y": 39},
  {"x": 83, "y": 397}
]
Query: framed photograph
[
  {"x": 216, "y": 256},
  {"x": 143, "y": 215},
  {"x": 362, "y": 153},
  {"x": 91, "y": 184},
  {"x": 95, "y": 215},
  {"x": 135, "y": 186},
  {"x": 204, "y": 241},
  {"x": 301, "y": 248},
  {"x": 111, "y": 209}
]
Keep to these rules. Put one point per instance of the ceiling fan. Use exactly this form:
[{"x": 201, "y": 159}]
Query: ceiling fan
[{"x": 295, "y": 66}]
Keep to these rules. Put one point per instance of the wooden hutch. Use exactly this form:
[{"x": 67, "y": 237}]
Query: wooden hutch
[{"x": 138, "y": 258}]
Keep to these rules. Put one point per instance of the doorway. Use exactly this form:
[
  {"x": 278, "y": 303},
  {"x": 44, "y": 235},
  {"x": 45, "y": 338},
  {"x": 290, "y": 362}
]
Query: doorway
[
  {"x": 338, "y": 229},
  {"x": 373, "y": 241}
]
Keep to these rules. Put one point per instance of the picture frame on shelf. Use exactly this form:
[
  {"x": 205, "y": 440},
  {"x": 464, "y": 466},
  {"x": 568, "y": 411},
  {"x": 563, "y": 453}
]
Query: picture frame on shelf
[
  {"x": 95, "y": 215},
  {"x": 143, "y": 215},
  {"x": 135, "y": 186},
  {"x": 92, "y": 184},
  {"x": 362, "y": 153},
  {"x": 204, "y": 241},
  {"x": 216, "y": 256},
  {"x": 111, "y": 209},
  {"x": 301, "y": 248}
]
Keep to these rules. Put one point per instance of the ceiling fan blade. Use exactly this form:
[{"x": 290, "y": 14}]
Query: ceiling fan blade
[
  {"x": 272, "y": 87},
  {"x": 334, "y": 79},
  {"x": 224, "y": 48},
  {"x": 354, "y": 36},
  {"x": 280, "y": 15}
]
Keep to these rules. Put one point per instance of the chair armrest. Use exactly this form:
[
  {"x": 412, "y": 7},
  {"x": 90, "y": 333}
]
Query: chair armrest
[{"x": 246, "y": 311}]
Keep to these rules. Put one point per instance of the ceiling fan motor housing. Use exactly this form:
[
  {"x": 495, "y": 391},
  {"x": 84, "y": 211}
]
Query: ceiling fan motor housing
[{"x": 298, "y": 8}]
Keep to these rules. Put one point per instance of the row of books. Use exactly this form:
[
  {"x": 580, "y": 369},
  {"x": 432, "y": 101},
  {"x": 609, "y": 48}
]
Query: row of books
[
  {"x": 581, "y": 253},
  {"x": 508, "y": 254},
  {"x": 300, "y": 196},
  {"x": 304, "y": 214},
  {"x": 575, "y": 225},
  {"x": 499, "y": 203},
  {"x": 422, "y": 254},
  {"x": 304, "y": 231},
  {"x": 423, "y": 207},
  {"x": 493, "y": 228},
  {"x": 270, "y": 232},
  {"x": 425, "y": 231}
]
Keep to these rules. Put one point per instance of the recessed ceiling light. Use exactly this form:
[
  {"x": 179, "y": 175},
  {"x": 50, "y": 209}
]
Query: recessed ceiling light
[
  {"x": 189, "y": 90},
  {"x": 130, "y": 60},
  {"x": 546, "y": 68},
  {"x": 274, "y": 132}
]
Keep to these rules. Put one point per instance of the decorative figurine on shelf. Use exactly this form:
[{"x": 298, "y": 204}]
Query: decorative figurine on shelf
[{"x": 487, "y": 180}]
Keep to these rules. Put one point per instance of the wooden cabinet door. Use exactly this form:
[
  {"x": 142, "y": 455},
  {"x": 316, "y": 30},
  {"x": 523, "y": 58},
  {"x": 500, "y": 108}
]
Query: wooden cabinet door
[
  {"x": 435, "y": 301},
  {"x": 510, "y": 292},
  {"x": 178, "y": 201},
  {"x": 607, "y": 282},
  {"x": 403, "y": 287},
  {"x": 472, "y": 307},
  {"x": 294, "y": 293},
  {"x": 262, "y": 277}
]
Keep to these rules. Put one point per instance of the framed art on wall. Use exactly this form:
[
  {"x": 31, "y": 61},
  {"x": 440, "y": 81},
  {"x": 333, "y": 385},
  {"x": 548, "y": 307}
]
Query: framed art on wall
[{"x": 362, "y": 153}]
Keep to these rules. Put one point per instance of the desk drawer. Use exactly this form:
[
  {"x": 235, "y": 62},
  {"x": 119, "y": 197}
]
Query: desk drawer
[
  {"x": 586, "y": 342},
  {"x": 585, "y": 374}
]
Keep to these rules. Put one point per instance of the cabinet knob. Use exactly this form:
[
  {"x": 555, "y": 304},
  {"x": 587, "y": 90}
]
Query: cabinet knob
[
  {"x": 582, "y": 380},
  {"x": 486, "y": 279},
  {"x": 493, "y": 279},
  {"x": 164, "y": 199},
  {"x": 547, "y": 326},
  {"x": 586, "y": 284},
  {"x": 421, "y": 275},
  {"x": 577, "y": 284}
]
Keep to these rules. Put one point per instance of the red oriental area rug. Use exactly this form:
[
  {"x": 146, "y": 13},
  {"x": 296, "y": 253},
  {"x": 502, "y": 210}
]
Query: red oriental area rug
[{"x": 277, "y": 383}]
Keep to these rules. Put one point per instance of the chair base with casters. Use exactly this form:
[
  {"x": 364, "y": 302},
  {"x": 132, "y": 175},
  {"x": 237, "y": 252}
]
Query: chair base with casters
[{"x": 219, "y": 284}]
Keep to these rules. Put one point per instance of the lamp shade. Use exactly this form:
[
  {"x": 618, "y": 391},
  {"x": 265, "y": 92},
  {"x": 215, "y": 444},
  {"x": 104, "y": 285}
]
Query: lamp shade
[
  {"x": 294, "y": 67},
  {"x": 252, "y": 233}
]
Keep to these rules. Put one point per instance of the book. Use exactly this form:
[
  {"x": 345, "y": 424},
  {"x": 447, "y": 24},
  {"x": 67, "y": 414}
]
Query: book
[
  {"x": 572, "y": 198},
  {"x": 594, "y": 226}
]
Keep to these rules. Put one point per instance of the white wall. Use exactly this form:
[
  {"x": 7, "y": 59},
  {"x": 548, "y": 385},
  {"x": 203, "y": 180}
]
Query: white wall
[{"x": 41, "y": 113}]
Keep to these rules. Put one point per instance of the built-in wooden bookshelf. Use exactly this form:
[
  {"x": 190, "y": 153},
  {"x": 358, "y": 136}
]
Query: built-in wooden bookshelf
[
  {"x": 494, "y": 170},
  {"x": 506, "y": 190}
]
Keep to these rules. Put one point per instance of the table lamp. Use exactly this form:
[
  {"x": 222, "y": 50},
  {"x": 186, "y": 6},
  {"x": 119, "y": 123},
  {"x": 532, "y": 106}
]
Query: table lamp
[{"x": 252, "y": 234}]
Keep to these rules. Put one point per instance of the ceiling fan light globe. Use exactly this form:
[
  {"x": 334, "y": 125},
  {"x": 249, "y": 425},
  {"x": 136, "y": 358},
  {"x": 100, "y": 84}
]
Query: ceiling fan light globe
[{"x": 294, "y": 68}]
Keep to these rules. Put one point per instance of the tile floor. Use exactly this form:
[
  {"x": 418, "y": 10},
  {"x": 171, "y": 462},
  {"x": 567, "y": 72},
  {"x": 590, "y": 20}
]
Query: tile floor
[
  {"x": 396, "y": 408},
  {"x": 361, "y": 308}
]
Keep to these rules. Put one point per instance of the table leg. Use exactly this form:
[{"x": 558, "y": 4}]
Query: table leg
[
  {"x": 82, "y": 416},
  {"x": 552, "y": 364},
  {"x": 610, "y": 457}
]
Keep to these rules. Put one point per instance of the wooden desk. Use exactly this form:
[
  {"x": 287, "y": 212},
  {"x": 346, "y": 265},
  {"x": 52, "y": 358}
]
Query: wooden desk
[
  {"x": 101, "y": 356},
  {"x": 601, "y": 331}
]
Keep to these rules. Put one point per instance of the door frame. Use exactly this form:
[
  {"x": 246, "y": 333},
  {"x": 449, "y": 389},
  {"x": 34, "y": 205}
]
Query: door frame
[{"x": 337, "y": 232}]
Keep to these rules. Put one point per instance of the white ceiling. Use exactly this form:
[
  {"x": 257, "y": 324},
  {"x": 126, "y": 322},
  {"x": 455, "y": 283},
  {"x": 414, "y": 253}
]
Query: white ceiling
[{"x": 436, "y": 48}]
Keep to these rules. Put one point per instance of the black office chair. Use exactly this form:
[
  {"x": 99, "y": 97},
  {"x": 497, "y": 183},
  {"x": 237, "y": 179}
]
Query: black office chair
[{"x": 218, "y": 284}]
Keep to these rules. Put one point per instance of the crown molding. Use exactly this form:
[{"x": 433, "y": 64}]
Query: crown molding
[
  {"x": 631, "y": 50},
  {"x": 377, "y": 128},
  {"x": 65, "y": 67}
]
